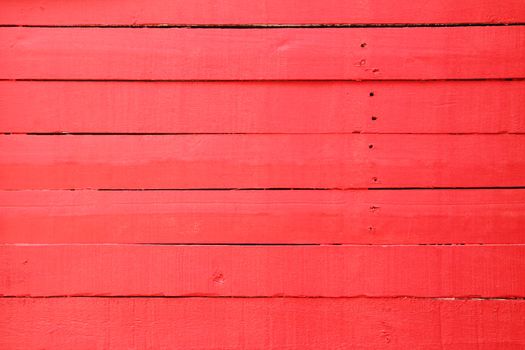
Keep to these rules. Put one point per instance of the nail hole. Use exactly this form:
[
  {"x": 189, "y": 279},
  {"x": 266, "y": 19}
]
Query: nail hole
[
  {"x": 370, "y": 146},
  {"x": 370, "y": 228},
  {"x": 371, "y": 94},
  {"x": 374, "y": 179},
  {"x": 374, "y": 117},
  {"x": 363, "y": 45},
  {"x": 218, "y": 278}
]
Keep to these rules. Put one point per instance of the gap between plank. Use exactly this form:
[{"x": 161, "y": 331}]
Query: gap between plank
[
  {"x": 257, "y": 80},
  {"x": 267, "y": 26},
  {"x": 471, "y": 298},
  {"x": 65, "y": 133},
  {"x": 278, "y": 189},
  {"x": 267, "y": 244}
]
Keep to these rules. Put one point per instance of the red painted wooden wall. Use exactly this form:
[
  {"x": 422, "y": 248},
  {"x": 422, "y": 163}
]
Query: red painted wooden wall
[{"x": 279, "y": 174}]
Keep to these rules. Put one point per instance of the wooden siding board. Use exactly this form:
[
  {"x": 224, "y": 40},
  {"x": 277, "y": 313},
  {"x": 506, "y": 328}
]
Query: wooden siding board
[
  {"x": 263, "y": 107},
  {"x": 260, "y": 161},
  {"x": 265, "y": 271},
  {"x": 287, "y": 217},
  {"x": 262, "y": 54},
  {"x": 136, "y": 12},
  {"x": 268, "y": 323}
]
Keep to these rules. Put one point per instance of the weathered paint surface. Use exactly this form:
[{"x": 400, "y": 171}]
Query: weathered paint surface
[
  {"x": 262, "y": 186},
  {"x": 427, "y": 107},
  {"x": 245, "y": 271},
  {"x": 261, "y": 323},
  {"x": 136, "y": 12},
  {"x": 474, "y": 216},
  {"x": 260, "y": 161},
  {"x": 263, "y": 54}
]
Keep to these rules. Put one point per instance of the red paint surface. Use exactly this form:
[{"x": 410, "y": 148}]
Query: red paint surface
[
  {"x": 246, "y": 271},
  {"x": 263, "y": 107},
  {"x": 262, "y": 54},
  {"x": 260, "y": 108},
  {"x": 269, "y": 323},
  {"x": 363, "y": 217},
  {"x": 261, "y": 161},
  {"x": 132, "y": 12}
]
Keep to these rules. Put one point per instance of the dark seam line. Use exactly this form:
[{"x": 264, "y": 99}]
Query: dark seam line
[
  {"x": 274, "y": 189},
  {"x": 446, "y": 188},
  {"x": 444, "y": 298},
  {"x": 66, "y": 133},
  {"x": 233, "y": 244},
  {"x": 269, "y": 26},
  {"x": 232, "y": 81},
  {"x": 343, "y": 245}
]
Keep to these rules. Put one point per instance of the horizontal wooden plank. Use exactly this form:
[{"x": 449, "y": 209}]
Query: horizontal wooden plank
[
  {"x": 271, "y": 323},
  {"x": 262, "y": 54},
  {"x": 263, "y": 107},
  {"x": 248, "y": 271},
  {"x": 261, "y": 161},
  {"x": 135, "y": 12},
  {"x": 362, "y": 217}
]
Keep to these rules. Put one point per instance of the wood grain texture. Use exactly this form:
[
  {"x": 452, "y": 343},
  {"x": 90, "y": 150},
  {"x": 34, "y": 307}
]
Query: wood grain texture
[
  {"x": 75, "y": 12},
  {"x": 275, "y": 323},
  {"x": 261, "y": 161},
  {"x": 262, "y": 54},
  {"x": 266, "y": 271},
  {"x": 323, "y": 109},
  {"x": 263, "y": 107},
  {"x": 362, "y": 217}
]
